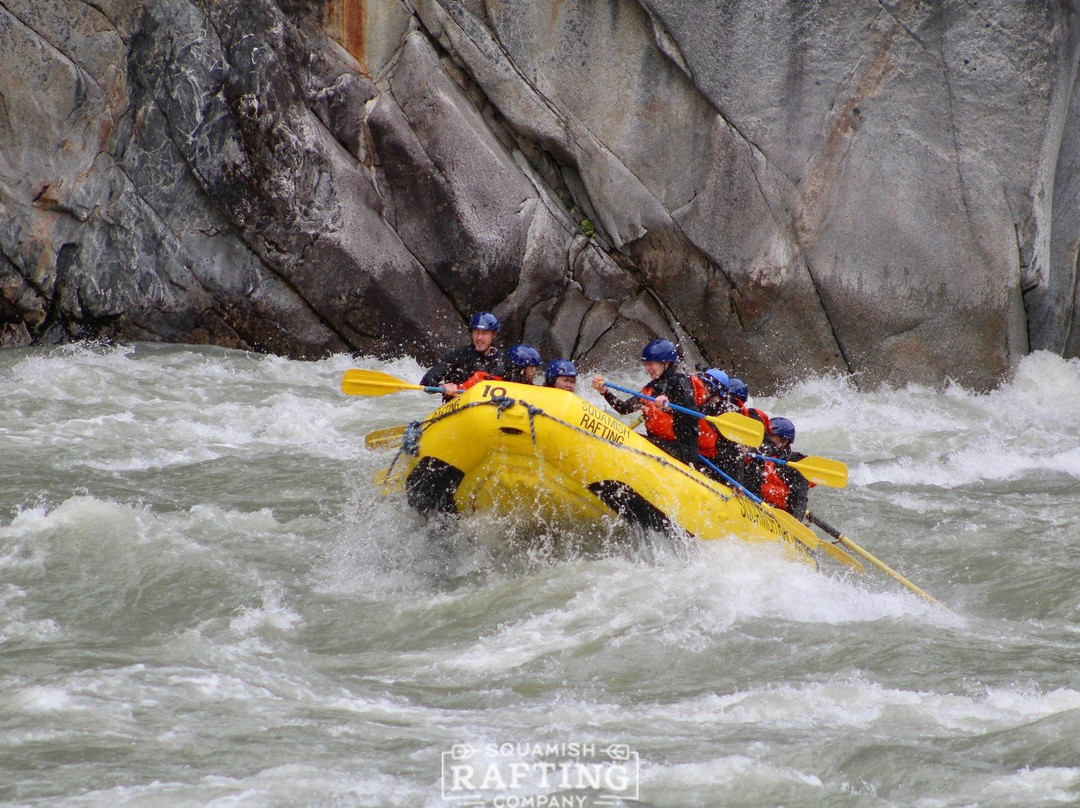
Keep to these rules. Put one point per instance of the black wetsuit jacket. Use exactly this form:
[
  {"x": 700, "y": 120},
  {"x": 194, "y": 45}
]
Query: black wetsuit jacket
[
  {"x": 461, "y": 363},
  {"x": 798, "y": 486},
  {"x": 680, "y": 391}
]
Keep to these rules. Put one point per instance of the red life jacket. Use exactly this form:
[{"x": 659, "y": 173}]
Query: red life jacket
[
  {"x": 707, "y": 434},
  {"x": 773, "y": 489},
  {"x": 479, "y": 376},
  {"x": 761, "y": 415},
  {"x": 701, "y": 392},
  {"x": 658, "y": 423}
]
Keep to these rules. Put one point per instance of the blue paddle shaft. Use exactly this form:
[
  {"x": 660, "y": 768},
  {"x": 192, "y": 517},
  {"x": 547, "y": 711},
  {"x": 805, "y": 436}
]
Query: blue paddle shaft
[
  {"x": 639, "y": 394},
  {"x": 745, "y": 491},
  {"x": 773, "y": 459},
  {"x": 705, "y": 460}
]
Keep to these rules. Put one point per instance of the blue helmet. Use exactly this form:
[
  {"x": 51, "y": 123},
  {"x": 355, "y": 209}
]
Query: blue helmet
[
  {"x": 738, "y": 389},
  {"x": 782, "y": 427},
  {"x": 524, "y": 356},
  {"x": 659, "y": 350},
  {"x": 484, "y": 320},
  {"x": 717, "y": 379},
  {"x": 559, "y": 367}
]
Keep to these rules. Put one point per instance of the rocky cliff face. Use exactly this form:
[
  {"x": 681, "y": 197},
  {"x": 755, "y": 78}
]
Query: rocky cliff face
[{"x": 887, "y": 189}]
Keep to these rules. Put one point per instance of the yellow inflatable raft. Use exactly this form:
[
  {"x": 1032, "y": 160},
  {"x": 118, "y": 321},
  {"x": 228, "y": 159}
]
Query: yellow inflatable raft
[{"x": 514, "y": 448}]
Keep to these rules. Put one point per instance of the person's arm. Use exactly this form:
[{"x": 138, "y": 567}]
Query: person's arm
[
  {"x": 435, "y": 375},
  {"x": 449, "y": 372},
  {"x": 622, "y": 407},
  {"x": 753, "y": 470},
  {"x": 495, "y": 363},
  {"x": 798, "y": 486}
]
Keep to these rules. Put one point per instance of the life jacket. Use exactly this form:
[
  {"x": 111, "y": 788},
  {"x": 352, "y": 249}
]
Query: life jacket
[
  {"x": 658, "y": 423},
  {"x": 707, "y": 437},
  {"x": 773, "y": 489},
  {"x": 701, "y": 392},
  {"x": 479, "y": 376},
  {"x": 707, "y": 434},
  {"x": 759, "y": 414}
]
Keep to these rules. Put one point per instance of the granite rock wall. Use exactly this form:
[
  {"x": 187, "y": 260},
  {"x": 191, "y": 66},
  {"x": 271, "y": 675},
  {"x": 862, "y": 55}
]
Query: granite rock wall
[{"x": 882, "y": 189}]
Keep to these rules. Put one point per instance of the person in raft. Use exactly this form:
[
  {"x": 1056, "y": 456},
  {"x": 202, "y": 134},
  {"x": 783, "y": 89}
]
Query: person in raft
[
  {"x": 711, "y": 398},
  {"x": 738, "y": 395},
  {"x": 781, "y": 485},
  {"x": 522, "y": 364},
  {"x": 674, "y": 432},
  {"x": 465, "y": 366},
  {"x": 560, "y": 373}
]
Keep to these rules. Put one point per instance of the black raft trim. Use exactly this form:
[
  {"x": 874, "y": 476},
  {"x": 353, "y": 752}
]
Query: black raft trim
[
  {"x": 630, "y": 505},
  {"x": 432, "y": 484}
]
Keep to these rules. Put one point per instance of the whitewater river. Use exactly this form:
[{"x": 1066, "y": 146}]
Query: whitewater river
[{"x": 203, "y": 601}]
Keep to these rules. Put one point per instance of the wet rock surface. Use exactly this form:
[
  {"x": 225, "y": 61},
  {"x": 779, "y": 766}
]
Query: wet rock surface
[{"x": 885, "y": 189}]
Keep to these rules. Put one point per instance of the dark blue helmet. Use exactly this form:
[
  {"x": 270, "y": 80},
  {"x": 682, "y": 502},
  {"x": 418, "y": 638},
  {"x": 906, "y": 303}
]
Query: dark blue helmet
[
  {"x": 659, "y": 350},
  {"x": 484, "y": 320},
  {"x": 717, "y": 379},
  {"x": 524, "y": 356},
  {"x": 559, "y": 367},
  {"x": 738, "y": 389},
  {"x": 782, "y": 427}
]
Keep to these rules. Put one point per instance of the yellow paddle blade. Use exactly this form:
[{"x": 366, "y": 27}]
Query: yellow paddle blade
[
  {"x": 810, "y": 539},
  {"x": 844, "y": 558},
  {"x": 389, "y": 481},
  {"x": 739, "y": 428},
  {"x": 357, "y": 382},
  {"x": 388, "y": 438},
  {"x": 822, "y": 470},
  {"x": 793, "y": 526}
]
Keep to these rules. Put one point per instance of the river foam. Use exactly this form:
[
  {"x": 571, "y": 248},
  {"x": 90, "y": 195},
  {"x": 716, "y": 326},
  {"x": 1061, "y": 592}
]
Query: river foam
[{"x": 204, "y": 599}]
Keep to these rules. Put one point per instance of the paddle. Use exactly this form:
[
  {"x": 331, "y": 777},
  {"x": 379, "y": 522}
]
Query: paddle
[
  {"x": 388, "y": 480},
  {"x": 732, "y": 425},
  {"x": 387, "y": 438},
  {"x": 793, "y": 525},
  {"x": 848, "y": 543},
  {"x": 357, "y": 382},
  {"x": 820, "y": 470}
]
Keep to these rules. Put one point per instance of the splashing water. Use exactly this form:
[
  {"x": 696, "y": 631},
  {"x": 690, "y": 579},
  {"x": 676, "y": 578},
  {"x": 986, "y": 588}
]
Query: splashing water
[{"x": 203, "y": 600}]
